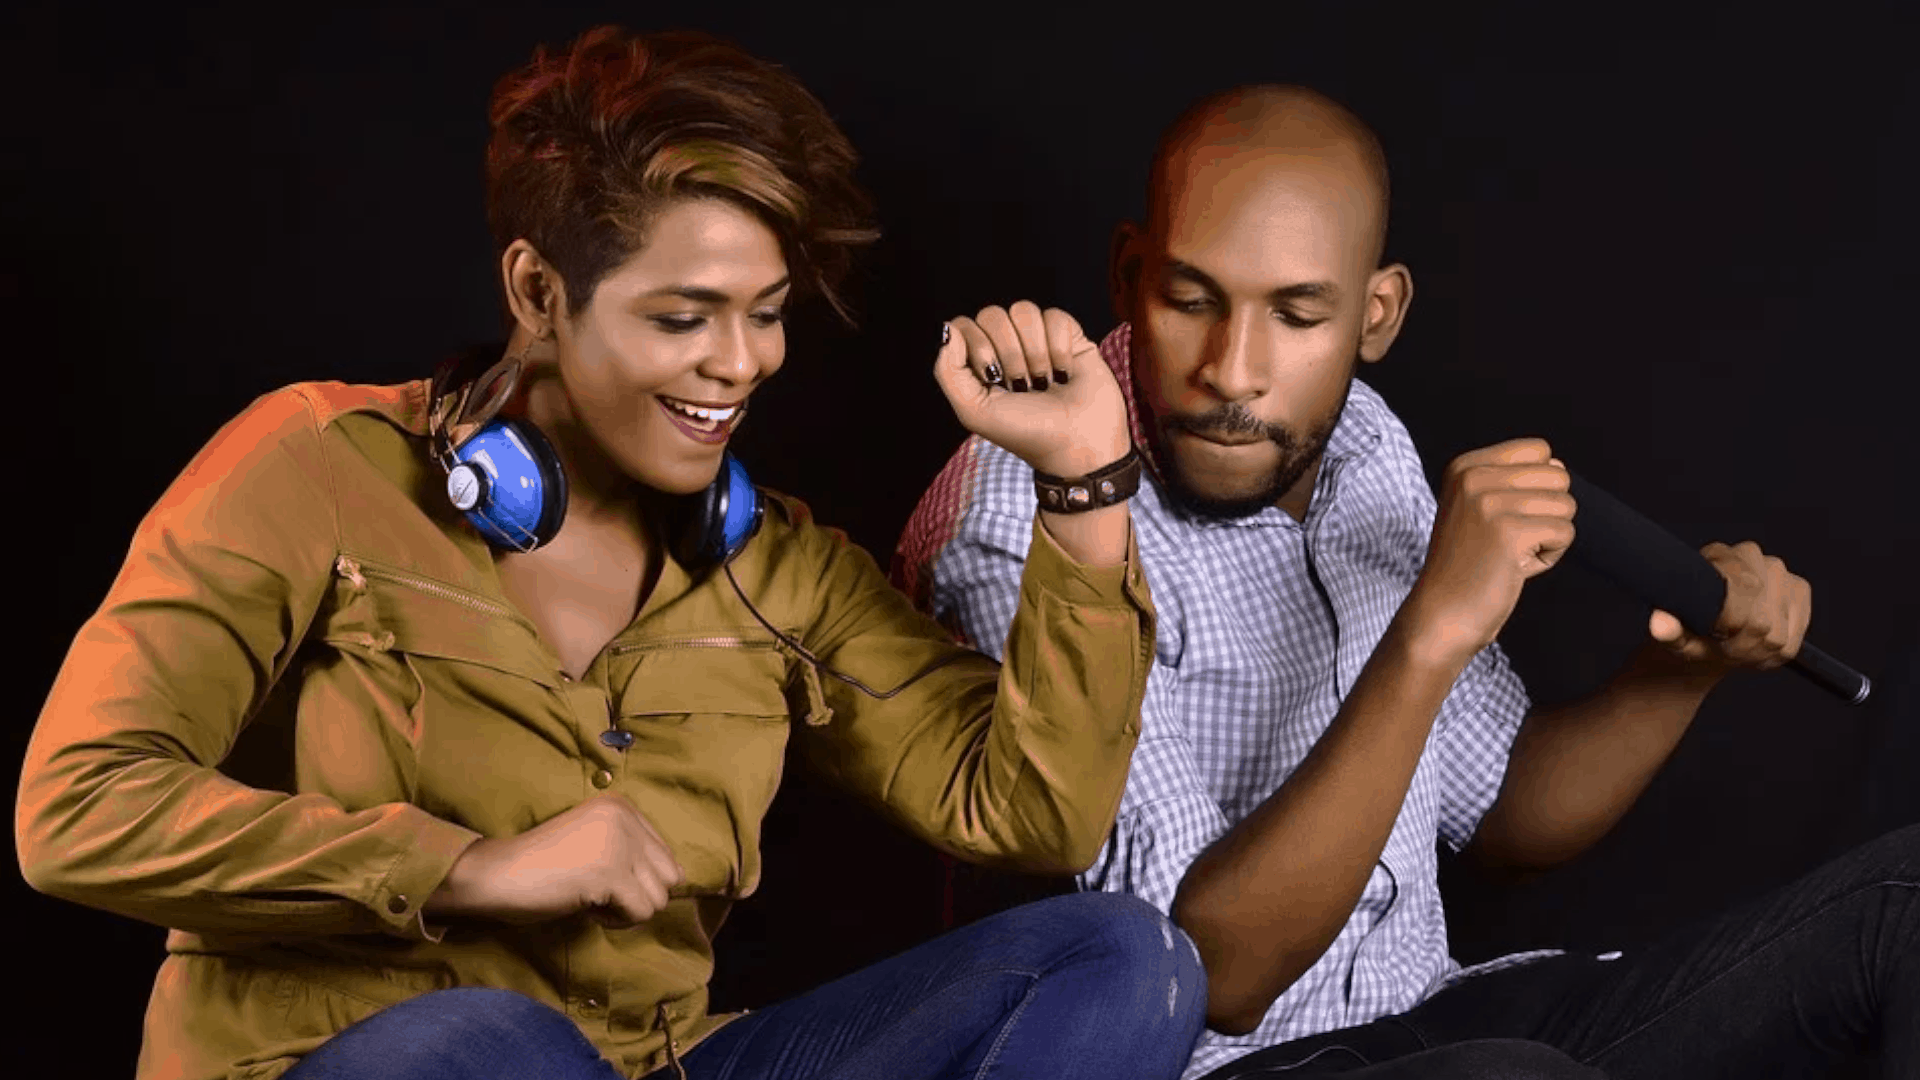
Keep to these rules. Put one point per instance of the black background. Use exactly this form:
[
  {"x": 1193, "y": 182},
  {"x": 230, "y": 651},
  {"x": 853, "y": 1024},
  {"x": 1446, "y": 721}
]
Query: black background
[{"x": 1677, "y": 242}]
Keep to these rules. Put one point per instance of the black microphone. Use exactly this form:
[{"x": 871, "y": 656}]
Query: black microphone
[{"x": 1654, "y": 565}]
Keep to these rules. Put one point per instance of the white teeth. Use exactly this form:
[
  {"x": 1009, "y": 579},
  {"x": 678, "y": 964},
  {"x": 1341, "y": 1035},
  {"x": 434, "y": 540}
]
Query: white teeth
[{"x": 721, "y": 415}]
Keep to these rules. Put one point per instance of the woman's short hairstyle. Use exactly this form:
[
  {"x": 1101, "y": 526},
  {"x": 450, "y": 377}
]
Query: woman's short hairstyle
[{"x": 589, "y": 145}]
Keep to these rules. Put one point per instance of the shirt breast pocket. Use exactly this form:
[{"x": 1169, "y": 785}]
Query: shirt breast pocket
[
  {"x": 709, "y": 724},
  {"x": 445, "y": 700}
]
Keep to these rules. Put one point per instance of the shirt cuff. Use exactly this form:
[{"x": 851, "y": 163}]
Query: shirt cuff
[
  {"x": 400, "y": 899},
  {"x": 1050, "y": 569}
]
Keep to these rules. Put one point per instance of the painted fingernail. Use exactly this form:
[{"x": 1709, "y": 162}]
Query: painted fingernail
[
  {"x": 946, "y": 334},
  {"x": 993, "y": 376},
  {"x": 1019, "y": 386},
  {"x": 1039, "y": 382},
  {"x": 1060, "y": 377}
]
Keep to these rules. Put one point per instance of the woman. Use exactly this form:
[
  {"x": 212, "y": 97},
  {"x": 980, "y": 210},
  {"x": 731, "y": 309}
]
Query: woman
[{"x": 505, "y": 773}]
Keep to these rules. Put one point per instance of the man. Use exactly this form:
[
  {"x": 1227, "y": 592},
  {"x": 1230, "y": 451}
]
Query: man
[{"x": 1327, "y": 699}]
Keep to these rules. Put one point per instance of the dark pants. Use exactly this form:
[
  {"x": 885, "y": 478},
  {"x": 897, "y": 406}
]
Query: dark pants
[
  {"x": 1091, "y": 985},
  {"x": 1794, "y": 984}
]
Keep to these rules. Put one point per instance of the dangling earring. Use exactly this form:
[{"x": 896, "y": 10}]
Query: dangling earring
[
  {"x": 476, "y": 403},
  {"x": 525, "y": 355},
  {"x": 518, "y": 363}
]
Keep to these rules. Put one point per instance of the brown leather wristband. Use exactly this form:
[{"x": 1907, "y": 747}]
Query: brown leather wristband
[{"x": 1105, "y": 486}]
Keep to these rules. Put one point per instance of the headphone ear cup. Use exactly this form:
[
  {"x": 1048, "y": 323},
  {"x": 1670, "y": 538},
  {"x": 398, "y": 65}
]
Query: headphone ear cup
[
  {"x": 553, "y": 482},
  {"x": 741, "y": 515},
  {"x": 719, "y": 521},
  {"x": 515, "y": 490},
  {"x": 697, "y": 536},
  {"x": 513, "y": 451}
]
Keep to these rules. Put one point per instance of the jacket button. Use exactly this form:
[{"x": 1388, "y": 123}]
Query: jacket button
[
  {"x": 397, "y": 904},
  {"x": 602, "y": 779}
]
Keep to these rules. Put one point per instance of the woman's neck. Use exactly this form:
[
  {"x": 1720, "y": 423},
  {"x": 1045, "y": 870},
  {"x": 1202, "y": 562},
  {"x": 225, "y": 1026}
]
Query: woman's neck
[{"x": 598, "y": 492}]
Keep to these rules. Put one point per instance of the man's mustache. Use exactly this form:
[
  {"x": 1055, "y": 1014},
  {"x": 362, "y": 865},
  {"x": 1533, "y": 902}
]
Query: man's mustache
[{"x": 1229, "y": 419}]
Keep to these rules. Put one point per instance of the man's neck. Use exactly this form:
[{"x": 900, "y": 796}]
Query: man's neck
[{"x": 1299, "y": 499}]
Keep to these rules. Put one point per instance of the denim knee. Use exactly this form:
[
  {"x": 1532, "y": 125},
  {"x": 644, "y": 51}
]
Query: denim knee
[
  {"x": 1144, "y": 944},
  {"x": 1130, "y": 926}
]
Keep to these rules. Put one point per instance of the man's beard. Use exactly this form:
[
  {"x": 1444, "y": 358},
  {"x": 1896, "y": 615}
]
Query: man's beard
[{"x": 1298, "y": 454}]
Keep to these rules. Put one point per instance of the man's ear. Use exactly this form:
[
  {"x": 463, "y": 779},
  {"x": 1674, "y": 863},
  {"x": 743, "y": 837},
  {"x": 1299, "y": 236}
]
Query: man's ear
[
  {"x": 535, "y": 293},
  {"x": 1389, "y": 294},
  {"x": 1123, "y": 269}
]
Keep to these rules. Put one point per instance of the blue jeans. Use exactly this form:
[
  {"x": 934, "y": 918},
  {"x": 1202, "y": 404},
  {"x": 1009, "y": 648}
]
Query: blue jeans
[{"x": 1086, "y": 985}]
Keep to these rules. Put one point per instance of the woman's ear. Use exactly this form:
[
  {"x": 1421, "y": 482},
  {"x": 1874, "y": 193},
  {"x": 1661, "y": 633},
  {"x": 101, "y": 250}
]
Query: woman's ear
[
  {"x": 1123, "y": 269},
  {"x": 535, "y": 293},
  {"x": 1389, "y": 294}
]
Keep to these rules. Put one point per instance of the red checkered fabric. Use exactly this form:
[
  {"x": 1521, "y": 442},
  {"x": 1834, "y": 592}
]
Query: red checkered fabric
[{"x": 937, "y": 516}]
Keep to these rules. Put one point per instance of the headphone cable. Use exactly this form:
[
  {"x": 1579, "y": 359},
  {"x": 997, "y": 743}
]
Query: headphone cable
[{"x": 820, "y": 665}]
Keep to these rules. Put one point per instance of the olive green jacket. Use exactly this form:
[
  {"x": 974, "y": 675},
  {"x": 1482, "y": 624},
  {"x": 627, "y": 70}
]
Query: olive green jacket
[{"x": 306, "y": 693}]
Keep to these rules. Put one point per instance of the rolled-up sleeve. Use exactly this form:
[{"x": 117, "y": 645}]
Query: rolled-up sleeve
[
  {"x": 1166, "y": 820},
  {"x": 121, "y": 805},
  {"x": 1477, "y": 726}
]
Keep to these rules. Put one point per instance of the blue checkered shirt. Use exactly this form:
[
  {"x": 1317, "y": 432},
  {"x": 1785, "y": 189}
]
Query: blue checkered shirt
[{"x": 1264, "y": 624}]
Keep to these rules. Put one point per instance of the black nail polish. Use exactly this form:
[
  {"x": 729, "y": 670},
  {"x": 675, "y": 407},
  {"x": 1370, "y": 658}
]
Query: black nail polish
[
  {"x": 1060, "y": 377},
  {"x": 1019, "y": 386},
  {"x": 993, "y": 376},
  {"x": 946, "y": 334},
  {"x": 1039, "y": 382}
]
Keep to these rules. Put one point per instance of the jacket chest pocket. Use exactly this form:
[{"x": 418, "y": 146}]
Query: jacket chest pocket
[
  {"x": 456, "y": 692},
  {"x": 709, "y": 723}
]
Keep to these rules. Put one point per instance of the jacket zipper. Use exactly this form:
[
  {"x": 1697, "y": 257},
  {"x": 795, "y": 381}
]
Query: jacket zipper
[
  {"x": 695, "y": 643},
  {"x": 355, "y": 571}
]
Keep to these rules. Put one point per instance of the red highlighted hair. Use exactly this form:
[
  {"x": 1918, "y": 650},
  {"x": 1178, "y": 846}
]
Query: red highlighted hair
[{"x": 590, "y": 144}]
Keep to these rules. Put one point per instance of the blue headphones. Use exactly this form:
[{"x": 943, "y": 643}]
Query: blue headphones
[{"x": 504, "y": 476}]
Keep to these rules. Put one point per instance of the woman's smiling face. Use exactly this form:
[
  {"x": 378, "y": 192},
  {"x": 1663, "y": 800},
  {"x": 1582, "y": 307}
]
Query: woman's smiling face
[{"x": 658, "y": 366}]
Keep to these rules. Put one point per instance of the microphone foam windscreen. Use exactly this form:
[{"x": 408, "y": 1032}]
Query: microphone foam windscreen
[{"x": 1644, "y": 559}]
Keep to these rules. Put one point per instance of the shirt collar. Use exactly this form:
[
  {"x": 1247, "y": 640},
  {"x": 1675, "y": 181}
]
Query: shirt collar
[{"x": 1357, "y": 434}]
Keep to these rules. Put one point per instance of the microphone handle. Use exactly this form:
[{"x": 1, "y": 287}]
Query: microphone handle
[
  {"x": 1651, "y": 563},
  {"x": 1831, "y": 675}
]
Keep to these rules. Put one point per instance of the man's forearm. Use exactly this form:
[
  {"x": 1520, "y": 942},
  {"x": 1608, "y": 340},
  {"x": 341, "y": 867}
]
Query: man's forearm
[
  {"x": 1576, "y": 769},
  {"x": 1267, "y": 899}
]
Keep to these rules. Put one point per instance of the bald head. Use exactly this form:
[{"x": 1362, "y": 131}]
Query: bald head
[
  {"x": 1272, "y": 126},
  {"x": 1255, "y": 290}
]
